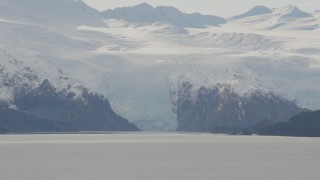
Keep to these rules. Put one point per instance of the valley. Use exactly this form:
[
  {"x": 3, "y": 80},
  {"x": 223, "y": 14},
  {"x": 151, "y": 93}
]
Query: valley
[{"x": 140, "y": 62}]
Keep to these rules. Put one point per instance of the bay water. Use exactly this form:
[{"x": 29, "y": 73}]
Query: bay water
[{"x": 151, "y": 156}]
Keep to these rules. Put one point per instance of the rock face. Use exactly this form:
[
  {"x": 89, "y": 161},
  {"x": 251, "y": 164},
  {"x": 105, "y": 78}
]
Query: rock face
[
  {"x": 14, "y": 121},
  {"x": 304, "y": 124},
  {"x": 91, "y": 112},
  {"x": 220, "y": 109}
]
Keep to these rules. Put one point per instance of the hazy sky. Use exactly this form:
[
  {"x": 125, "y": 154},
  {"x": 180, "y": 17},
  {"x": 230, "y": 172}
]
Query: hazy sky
[{"x": 215, "y": 7}]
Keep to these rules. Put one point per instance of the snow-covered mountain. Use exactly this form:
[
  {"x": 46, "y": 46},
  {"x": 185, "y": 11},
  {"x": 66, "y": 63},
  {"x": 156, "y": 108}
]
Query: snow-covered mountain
[
  {"x": 53, "y": 12},
  {"x": 258, "y": 10},
  {"x": 138, "y": 58},
  {"x": 285, "y": 18},
  {"x": 220, "y": 109},
  {"x": 290, "y": 12},
  {"x": 144, "y": 13},
  {"x": 38, "y": 93}
]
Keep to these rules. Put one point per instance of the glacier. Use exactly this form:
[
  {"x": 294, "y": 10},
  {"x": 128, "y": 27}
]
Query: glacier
[{"x": 137, "y": 61}]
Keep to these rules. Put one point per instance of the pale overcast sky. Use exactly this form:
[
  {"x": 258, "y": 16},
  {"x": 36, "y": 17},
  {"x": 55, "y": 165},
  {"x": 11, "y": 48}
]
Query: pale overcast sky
[{"x": 215, "y": 7}]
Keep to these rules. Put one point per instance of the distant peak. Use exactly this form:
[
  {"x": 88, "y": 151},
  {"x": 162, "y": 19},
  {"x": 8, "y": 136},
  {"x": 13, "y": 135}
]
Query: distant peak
[
  {"x": 257, "y": 10},
  {"x": 143, "y": 5},
  {"x": 140, "y": 7},
  {"x": 144, "y": 13},
  {"x": 260, "y": 10},
  {"x": 290, "y": 8},
  {"x": 260, "y": 7},
  {"x": 168, "y": 8},
  {"x": 291, "y": 11}
]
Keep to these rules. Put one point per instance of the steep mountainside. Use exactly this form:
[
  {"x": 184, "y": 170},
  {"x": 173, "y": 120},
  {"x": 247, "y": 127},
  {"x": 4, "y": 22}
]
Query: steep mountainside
[
  {"x": 304, "y": 124},
  {"x": 50, "y": 12},
  {"x": 14, "y": 121},
  {"x": 34, "y": 104},
  {"x": 90, "y": 113},
  {"x": 220, "y": 109}
]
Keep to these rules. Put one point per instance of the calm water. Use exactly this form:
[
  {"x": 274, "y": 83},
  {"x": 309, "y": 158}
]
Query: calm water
[{"x": 158, "y": 157}]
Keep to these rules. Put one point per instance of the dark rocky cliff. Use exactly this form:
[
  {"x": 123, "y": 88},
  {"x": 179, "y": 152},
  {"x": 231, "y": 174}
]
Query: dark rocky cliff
[
  {"x": 304, "y": 124},
  {"x": 14, "y": 121},
  {"x": 220, "y": 109},
  {"x": 44, "y": 99},
  {"x": 90, "y": 112},
  {"x": 45, "y": 109}
]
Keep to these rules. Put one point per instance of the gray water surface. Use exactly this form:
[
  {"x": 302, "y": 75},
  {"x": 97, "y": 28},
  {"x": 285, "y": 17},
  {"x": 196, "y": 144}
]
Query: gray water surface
[{"x": 158, "y": 157}]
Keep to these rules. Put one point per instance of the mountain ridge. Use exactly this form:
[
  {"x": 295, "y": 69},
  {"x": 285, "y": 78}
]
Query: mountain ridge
[
  {"x": 73, "y": 13},
  {"x": 257, "y": 10},
  {"x": 291, "y": 11},
  {"x": 146, "y": 13}
]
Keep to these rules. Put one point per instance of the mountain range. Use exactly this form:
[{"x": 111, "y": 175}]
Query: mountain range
[
  {"x": 146, "y": 14},
  {"x": 78, "y": 69}
]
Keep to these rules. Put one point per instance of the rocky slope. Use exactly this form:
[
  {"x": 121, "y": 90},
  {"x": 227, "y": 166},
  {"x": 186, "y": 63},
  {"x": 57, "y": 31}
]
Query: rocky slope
[
  {"x": 92, "y": 112},
  {"x": 30, "y": 102},
  {"x": 304, "y": 124},
  {"x": 15, "y": 121},
  {"x": 220, "y": 109}
]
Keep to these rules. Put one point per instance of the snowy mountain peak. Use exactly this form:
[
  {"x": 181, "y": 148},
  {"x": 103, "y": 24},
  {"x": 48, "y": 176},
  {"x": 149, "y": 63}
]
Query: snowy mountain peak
[
  {"x": 258, "y": 10},
  {"x": 284, "y": 18},
  {"x": 144, "y": 13},
  {"x": 140, "y": 7},
  {"x": 168, "y": 9},
  {"x": 292, "y": 12},
  {"x": 144, "y": 5}
]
